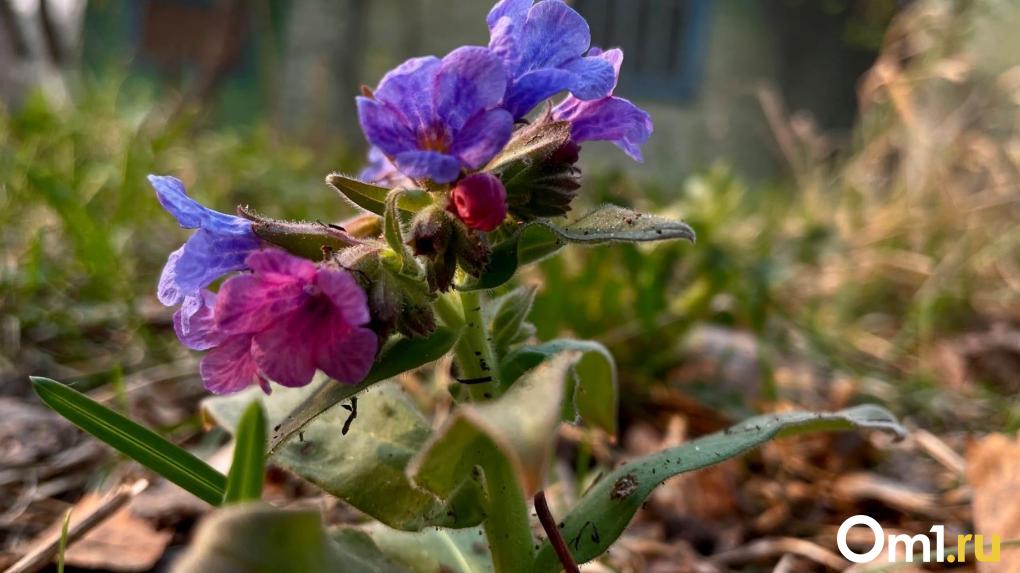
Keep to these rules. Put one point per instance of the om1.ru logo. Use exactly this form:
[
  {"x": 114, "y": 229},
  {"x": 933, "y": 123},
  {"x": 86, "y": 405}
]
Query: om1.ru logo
[{"x": 910, "y": 544}]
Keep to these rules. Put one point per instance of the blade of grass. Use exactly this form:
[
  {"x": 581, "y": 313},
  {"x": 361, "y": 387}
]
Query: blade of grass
[
  {"x": 137, "y": 442},
  {"x": 244, "y": 482},
  {"x": 62, "y": 548}
]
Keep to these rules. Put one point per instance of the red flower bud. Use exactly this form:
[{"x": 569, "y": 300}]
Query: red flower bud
[{"x": 480, "y": 201}]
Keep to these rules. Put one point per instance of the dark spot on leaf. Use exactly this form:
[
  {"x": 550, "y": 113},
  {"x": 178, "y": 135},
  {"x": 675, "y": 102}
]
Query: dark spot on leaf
[{"x": 623, "y": 487}]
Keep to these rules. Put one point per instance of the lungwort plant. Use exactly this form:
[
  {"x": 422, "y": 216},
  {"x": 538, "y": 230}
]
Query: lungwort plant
[{"x": 472, "y": 173}]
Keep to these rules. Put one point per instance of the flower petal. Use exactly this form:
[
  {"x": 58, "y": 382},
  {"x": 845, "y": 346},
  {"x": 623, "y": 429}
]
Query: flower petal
[
  {"x": 252, "y": 303},
  {"x": 385, "y": 127},
  {"x": 346, "y": 356},
  {"x": 591, "y": 78},
  {"x": 483, "y": 137},
  {"x": 407, "y": 89},
  {"x": 470, "y": 80},
  {"x": 284, "y": 352},
  {"x": 439, "y": 167},
  {"x": 229, "y": 367},
  {"x": 282, "y": 263},
  {"x": 169, "y": 292},
  {"x": 207, "y": 256},
  {"x": 171, "y": 195},
  {"x": 381, "y": 171},
  {"x": 194, "y": 322},
  {"x": 513, "y": 9},
  {"x": 612, "y": 119},
  {"x": 345, "y": 294},
  {"x": 553, "y": 34},
  {"x": 534, "y": 87}
]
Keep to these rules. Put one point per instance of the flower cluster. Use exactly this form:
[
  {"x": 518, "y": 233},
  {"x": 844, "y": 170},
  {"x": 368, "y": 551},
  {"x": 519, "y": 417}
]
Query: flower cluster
[
  {"x": 280, "y": 320},
  {"x": 437, "y": 120},
  {"x": 458, "y": 131}
]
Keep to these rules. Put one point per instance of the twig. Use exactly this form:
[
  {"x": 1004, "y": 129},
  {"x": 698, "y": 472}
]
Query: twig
[
  {"x": 43, "y": 553},
  {"x": 553, "y": 533}
]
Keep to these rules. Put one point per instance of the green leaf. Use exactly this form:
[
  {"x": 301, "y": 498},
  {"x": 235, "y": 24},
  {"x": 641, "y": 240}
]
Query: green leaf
[
  {"x": 399, "y": 356},
  {"x": 366, "y": 466},
  {"x": 373, "y": 198},
  {"x": 257, "y": 538},
  {"x": 302, "y": 238},
  {"x": 536, "y": 240},
  {"x": 508, "y": 316},
  {"x": 531, "y": 143},
  {"x": 244, "y": 482},
  {"x": 591, "y": 390},
  {"x": 137, "y": 442},
  {"x": 517, "y": 426},
  {"x": 503, "y": 448},
  {"x": 605, "y": 510},
  {"x": 430, "y": 551}
]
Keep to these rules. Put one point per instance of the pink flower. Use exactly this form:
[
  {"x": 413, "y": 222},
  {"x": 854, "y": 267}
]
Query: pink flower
[
  {"x": 480, "y": 201},
  {"x": 282, "y": 322}
]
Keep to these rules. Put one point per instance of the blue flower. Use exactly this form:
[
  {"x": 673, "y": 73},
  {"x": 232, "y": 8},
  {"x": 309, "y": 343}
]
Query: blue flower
[
  {"x": 220, "y": 245},
  {"x": 543, "y": 48},
  {"x": 612, "y": 119},
  {"x": 435, "y": 117}
]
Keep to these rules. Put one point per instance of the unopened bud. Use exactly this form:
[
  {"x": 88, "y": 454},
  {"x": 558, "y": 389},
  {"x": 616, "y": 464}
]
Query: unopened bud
[
  {"x": 480, "y": 201},
  {"x": 431, "y": 233}
]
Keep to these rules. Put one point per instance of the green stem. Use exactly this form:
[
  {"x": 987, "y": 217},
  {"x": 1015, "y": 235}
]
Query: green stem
[
  {"x": 506, "y": 524},
  {"x": 449, "y": 311},
  {"x": 476, "y": 366}
]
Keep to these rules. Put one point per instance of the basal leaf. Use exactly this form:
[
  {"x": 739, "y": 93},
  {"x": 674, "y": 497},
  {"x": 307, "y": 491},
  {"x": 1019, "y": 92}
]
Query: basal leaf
[
  {"x": 591, "y": 388},
  {"x": 244, "y": 482},
  {"x": 536, "y": 240},
  {"x": 257, "y": 538},
  {"x": 531, "y": 143},
  {"x": 373, "y": 198},
  {"x": 137, "y": 442},
  {"x": 401, "y": 355},
  {"x": 606, "y": 509},
  {"x": 359, "y": 452},
  {"x": 431, "y": 550}
]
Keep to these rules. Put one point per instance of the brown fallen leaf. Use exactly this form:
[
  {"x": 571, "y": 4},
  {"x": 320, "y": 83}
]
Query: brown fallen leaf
[
  {"x": 122, "y": 543},
  {"x": 993, "y": 470}
]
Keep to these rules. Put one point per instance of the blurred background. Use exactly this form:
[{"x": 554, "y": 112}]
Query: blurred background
[{"x": 852, "y": 168}]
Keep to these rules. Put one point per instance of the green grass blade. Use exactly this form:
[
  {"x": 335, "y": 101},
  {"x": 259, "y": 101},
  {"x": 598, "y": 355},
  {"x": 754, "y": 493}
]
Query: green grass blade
[
  {"x": 244, "y": 482},
  {"x": 62, "y": 548},
  {"x": 137, "y": 442}
]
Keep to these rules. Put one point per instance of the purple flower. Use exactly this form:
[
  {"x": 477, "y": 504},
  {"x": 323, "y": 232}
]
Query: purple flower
[
  {"x": 435, "y": 117},
  {"x": 381, "y": 171},
  {"x": 194, "y": 322},
  {"x": 282, "y": 322},
  {"x": 543, "y": 47},
  {"x": 218, "y": 247},
  {"x": 480, "y": 201},
  {"x": 610, "y": 119}
]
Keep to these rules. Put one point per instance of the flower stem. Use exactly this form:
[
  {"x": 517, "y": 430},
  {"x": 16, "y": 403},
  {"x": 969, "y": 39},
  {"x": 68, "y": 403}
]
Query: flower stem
[
  {"x": 506, "y": 524},
  {"x": 476, "y": 366},
  {"x": 552, "y": 531}
]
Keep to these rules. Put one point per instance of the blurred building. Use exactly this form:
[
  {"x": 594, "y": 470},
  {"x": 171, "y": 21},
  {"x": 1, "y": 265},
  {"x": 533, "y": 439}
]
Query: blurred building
[{"x": 697, "y": 65}]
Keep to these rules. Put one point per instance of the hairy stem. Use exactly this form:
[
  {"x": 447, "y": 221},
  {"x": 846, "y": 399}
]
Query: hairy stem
[{"x": 476, "y": 367}]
